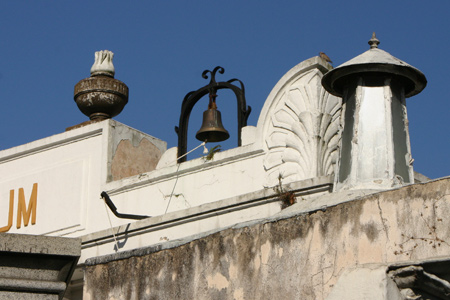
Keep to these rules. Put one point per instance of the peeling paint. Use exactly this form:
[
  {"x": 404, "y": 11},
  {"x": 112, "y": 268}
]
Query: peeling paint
[
  {"x": 217, "y": 281},
  {"x": 280, "y": 252},
  {"x": 265, "y": 252},
  {"x": 130, "y": 160},
  {"x": 239, "y": 294}
]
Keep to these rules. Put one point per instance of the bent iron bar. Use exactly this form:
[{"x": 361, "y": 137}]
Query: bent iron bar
[{"x": 113, "y": 208}]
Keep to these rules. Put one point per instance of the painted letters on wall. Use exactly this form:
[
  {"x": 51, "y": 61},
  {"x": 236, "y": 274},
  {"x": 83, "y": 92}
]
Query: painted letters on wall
[{"x": 23, "y": 212}]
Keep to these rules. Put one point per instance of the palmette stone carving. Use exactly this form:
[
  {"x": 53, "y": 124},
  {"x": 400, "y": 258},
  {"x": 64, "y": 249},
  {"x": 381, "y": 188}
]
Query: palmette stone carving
[{"x": 303, "y": 135}]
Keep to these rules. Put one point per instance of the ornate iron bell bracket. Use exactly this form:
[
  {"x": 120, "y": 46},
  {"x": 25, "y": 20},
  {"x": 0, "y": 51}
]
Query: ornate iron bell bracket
[{"x": 193, "y": 97}]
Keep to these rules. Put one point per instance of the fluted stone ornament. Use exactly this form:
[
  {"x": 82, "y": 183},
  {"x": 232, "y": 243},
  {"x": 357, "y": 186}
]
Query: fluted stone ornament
[
  {"x": 101, "y": 96},
  {"x": 103, "y": 64}
]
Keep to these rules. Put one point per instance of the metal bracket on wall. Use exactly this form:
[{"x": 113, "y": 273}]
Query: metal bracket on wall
[{"x": 113, "y": 208}]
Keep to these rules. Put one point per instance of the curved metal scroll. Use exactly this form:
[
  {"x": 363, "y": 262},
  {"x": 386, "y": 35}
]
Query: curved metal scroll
[{"x": 193, "y": 97}]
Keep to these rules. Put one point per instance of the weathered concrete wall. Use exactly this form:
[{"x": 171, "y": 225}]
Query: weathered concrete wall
[{"x": 298, "y": 257}]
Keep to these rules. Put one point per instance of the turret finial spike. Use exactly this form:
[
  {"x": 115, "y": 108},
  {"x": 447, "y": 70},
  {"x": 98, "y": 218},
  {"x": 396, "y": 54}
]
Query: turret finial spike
[{"x": 373, "y": 42}]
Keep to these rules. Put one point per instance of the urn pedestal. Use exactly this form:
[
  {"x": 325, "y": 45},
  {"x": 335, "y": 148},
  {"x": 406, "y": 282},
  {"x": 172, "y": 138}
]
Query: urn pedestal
[{"x": 101, "y": 97}]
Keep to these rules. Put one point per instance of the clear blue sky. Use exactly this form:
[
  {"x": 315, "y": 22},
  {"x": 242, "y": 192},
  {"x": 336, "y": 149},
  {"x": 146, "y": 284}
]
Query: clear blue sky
[{"x": 162, "y": 47}]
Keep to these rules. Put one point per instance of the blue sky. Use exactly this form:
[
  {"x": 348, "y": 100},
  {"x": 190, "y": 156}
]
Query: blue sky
[{"x": 162, "y": 47}]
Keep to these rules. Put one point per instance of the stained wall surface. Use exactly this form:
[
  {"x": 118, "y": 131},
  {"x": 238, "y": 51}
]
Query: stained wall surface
[{"x": 295, "y": 255}]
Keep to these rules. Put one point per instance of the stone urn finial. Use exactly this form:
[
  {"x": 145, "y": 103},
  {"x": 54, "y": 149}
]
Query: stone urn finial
[{"x": 101, "y": 96}]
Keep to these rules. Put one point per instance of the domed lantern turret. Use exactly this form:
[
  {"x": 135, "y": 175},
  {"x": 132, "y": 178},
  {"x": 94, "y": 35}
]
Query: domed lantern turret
[{"x": 375, "y": 149}]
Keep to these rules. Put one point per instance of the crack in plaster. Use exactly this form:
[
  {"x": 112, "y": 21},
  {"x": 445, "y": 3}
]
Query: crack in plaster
[
  {"x": 432, "y": 240},
  {"x": 309, "y": 242},
  {"x": 213, "y": 181},
  {"x": 333, "y": 266},
  {"x": 383, "y": 220},
  {"x": 165, "y": 196}
]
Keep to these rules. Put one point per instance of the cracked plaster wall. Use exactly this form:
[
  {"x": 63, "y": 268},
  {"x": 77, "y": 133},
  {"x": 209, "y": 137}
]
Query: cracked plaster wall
[{"x": 299, "y": 257}]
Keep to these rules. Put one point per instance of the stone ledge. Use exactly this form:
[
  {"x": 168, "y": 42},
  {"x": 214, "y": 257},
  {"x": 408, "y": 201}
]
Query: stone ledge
[
  {"x": 32, "y": 286},
  {"x": 34, "y": 244},
  {"x": 36, "y": 267},
  {"x": 262, "y": 197}
]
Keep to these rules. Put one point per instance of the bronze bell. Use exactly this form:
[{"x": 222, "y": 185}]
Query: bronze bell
[{"x": 212, "y": 130}]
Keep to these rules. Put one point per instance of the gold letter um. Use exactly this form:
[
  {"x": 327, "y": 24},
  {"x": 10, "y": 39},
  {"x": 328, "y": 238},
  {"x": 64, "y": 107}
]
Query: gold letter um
[
  {"x": 10, "y": 215},
  {"x": 22, "y": 211}
]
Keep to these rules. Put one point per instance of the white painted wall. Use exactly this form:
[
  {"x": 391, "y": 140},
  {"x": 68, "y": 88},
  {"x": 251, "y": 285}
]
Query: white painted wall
[{"x": 296, "y": 137}]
